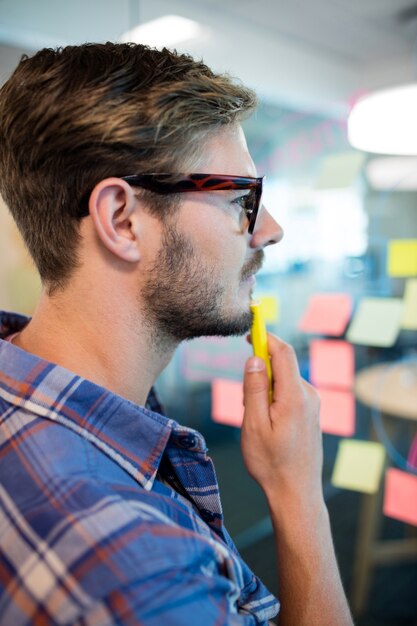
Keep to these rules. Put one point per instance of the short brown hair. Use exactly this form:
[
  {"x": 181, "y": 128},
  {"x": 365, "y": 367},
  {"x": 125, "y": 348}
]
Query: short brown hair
[{"x": 72, "y": 116}]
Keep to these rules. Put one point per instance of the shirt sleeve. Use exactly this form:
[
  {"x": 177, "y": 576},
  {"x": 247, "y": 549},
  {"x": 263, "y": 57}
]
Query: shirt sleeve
[
  {"x": 178, "y": 577},
  {"x": 122, "y": 563},
  {"x": 182, "y": 599}
]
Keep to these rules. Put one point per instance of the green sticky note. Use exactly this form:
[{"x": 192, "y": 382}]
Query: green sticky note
[
  {"x": 377, "y": 322},
  {"x": 402, "y": 257},
  {"x": 409, "y": 319},
  {"x": 340, "y": 170},
  {"x": 359, "y": 465}
]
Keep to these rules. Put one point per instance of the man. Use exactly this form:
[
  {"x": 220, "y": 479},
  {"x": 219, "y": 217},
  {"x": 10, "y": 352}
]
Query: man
[{"x": 110, "y": 512}]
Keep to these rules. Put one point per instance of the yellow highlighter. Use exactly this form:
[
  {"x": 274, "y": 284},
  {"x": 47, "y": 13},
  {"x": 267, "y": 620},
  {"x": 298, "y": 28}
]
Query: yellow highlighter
[{"x": 259, "y": 340}]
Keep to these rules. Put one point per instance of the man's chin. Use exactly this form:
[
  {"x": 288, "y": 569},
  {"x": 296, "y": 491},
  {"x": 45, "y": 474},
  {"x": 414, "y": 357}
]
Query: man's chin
[
  {"x": 250, "y": 281},
  {"x": 224, "y": 328}
]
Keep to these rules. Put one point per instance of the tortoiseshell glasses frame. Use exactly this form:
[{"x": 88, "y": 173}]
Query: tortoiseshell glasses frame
[{"x": 182, "y": 183}]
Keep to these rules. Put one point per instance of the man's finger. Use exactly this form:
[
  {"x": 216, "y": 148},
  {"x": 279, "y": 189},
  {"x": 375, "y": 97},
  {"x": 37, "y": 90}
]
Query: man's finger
[{"x": 285, "y": 371}]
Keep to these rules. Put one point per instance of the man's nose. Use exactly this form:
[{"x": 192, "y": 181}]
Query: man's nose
[{"x": 267, "y": 231}]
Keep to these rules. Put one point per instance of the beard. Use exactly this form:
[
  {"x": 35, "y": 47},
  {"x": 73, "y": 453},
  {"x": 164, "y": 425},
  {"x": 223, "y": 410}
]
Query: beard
[{"x": 183, "y": 299}]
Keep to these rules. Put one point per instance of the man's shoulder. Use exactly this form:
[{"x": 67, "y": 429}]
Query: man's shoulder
[
  {"x": 71, "y": 552},
  {"x": 80, "y": 518},
  {"x": 37, "y": 451},
  {"x": 55, "y": 481},
  {"x": 75, "y": 524}
]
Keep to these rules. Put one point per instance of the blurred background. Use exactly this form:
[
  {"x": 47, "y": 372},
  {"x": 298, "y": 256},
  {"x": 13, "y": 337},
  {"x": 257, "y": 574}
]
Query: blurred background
[{"x": 336, "y": 136}]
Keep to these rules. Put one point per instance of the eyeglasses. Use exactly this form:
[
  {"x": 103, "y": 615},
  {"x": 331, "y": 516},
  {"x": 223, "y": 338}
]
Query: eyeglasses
[{"x": 183, "y": 183}]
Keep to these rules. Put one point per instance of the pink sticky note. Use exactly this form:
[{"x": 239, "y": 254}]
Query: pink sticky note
[
  {"x": 400, "y": 498},
  {"x": 412, "y": 455},
  {"x": 327, "y": 314},
  {"x": 332, "y": 363},
  {"x": 227, "y": 402},
  {"x": 337, "y": 412}
]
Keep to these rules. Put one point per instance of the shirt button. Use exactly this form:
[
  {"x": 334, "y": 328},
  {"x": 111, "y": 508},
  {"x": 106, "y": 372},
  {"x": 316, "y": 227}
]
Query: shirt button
[
  {"x": 208, "y": 516},
  {"x": 189, "y": 441}
]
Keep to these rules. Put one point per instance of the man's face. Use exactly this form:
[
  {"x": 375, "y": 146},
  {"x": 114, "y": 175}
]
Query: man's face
[{"x": 200, "y": 280}]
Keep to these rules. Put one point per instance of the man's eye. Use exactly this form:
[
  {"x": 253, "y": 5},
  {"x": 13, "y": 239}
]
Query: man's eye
[
  {"x": 241, "y": 201},
  {"x": 244, "y": 204}
]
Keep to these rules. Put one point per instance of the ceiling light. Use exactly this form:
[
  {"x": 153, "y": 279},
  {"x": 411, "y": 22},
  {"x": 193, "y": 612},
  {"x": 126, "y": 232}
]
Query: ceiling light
[
  {"x": 385, "y": 122},
  {"x": 392, "y": 173},
  {"x": 164, "y": 31}
]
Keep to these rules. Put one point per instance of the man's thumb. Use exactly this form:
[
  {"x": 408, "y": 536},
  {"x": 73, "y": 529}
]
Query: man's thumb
[
  {"x": 255, "y": 364},
  {"x": 255, "y": 385}
]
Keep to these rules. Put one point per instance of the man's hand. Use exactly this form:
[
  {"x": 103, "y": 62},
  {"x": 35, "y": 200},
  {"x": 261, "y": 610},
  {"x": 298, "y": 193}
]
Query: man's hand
[
  {"x": 281, "y": 442},
  {"x": 282, "y": 450}
]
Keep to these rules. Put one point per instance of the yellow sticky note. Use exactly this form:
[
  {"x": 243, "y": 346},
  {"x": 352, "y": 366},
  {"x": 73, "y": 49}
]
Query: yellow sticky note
[
  {"x": 270, "y": 308},
  {"x": 376, "y": 322},
  {"x": 402, "y": 257},
  {"x": 409, "y": 320},
  {"x": 359, "y": 465},
  {"x": 24, "y": 288}
]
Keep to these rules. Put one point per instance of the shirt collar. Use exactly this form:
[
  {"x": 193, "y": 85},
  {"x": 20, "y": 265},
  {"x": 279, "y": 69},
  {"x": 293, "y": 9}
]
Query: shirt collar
[{"x": 135, "y": 437}]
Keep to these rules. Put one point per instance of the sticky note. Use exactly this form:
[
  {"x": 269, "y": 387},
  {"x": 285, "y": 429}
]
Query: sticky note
[
  {"x": 412, "y": 455},
  {"x": 337, "y": 412},
  {"x": 270, "y": 308},
  {"x": 376, "y": 322},
  {"x": 227, "y": 402},
  {"x": 24, "y": 287},
  {"x": 359, "y": 465},
  {"x": 332, "y": 363},
  {"x": 400, "y": 497},
  {"x": 402, "y": 257},
  {"x": 409, "y": 319},
  {"x": 340, "y": 170},
  {"x": 326, "y": 314}
]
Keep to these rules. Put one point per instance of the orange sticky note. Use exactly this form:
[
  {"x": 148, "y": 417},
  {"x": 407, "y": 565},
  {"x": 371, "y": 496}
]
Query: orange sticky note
[
  {"x": 332, "y": 363},
  {"x": 337, "y": 412},
  {"x": 327, "y": 314},
  {"x": 227, "y": 402},
  {"x": 400, "y": 498}
]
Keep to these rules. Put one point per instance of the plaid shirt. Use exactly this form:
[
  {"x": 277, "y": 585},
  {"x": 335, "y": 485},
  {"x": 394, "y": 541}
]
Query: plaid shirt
[{"x": 89, "y": 534}]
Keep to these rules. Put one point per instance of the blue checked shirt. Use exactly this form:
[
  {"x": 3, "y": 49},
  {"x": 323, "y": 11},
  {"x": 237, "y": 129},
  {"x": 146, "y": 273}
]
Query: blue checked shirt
[{"x": 109, "y": 512}]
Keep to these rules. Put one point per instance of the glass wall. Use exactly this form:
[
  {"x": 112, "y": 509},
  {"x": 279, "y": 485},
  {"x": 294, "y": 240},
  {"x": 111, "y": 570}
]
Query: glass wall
[{"x": 341, "y": 287}]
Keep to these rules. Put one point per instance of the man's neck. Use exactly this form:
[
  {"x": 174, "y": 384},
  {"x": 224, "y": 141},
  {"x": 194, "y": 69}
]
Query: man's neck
[{"x": 108, "y": 346}]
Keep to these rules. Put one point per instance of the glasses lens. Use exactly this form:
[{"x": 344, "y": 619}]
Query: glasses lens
[
  {"x": 251, "y": 208},
  {"x": 250, "y": 200}
]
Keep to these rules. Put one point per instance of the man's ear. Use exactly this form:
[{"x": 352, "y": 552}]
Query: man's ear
[{"x": 112, "y": 207}]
